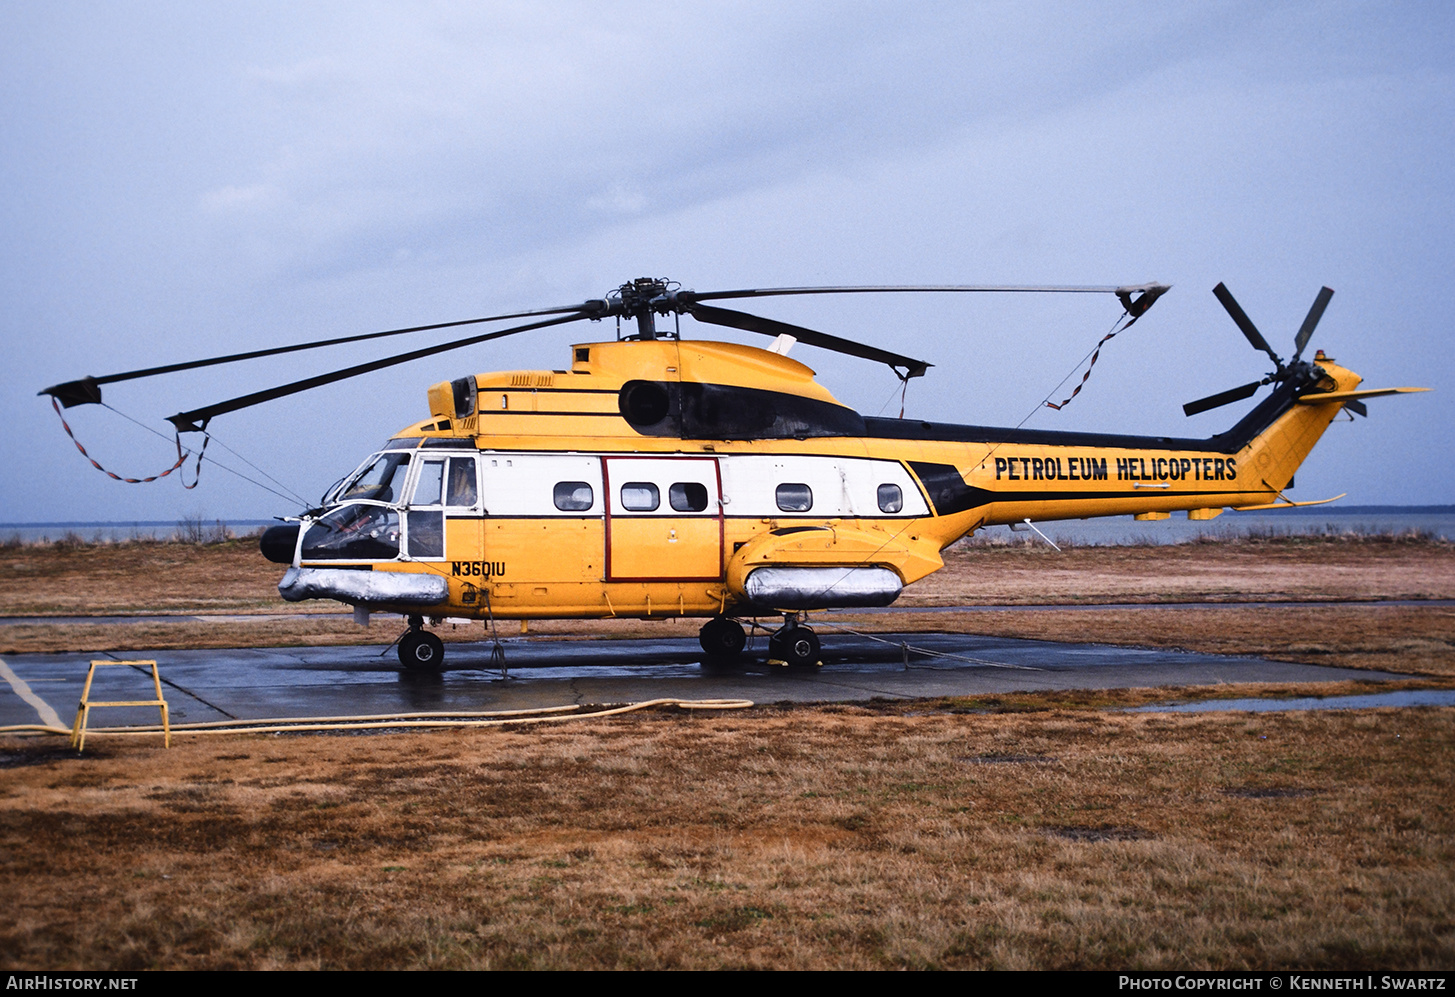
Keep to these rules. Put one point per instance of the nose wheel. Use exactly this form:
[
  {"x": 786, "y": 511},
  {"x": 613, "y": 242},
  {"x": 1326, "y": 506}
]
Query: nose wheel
[{"x": 420, "y": 650}]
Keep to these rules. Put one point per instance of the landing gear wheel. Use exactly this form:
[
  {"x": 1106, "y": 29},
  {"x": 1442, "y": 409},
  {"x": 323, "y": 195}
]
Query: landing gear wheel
[
  {"x": 420, "y": 650},
  {"x": 722, "y": 639},
  {"x": 795, "y": 646}
]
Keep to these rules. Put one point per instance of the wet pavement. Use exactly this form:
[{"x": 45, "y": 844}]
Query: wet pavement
[
  {"x": 352, "y": 681},
  {"x": 1398, "y": 698}
]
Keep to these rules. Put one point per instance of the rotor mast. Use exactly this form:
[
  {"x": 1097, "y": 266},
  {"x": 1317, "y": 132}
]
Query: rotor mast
[{"x": 642, "y": 299}]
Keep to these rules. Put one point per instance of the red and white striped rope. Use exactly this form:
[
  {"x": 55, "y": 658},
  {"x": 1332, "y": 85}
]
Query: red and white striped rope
[
  {"x": 181, "y": 457},
  {"x": 1095, "y": 354}
]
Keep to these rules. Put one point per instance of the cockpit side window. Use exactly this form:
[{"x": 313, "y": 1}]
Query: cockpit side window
[
  {"x": 463, "y": 491},
  {"x": 430, "y": 485},
  {"x": 381, "y": 481},
  {"x": 425, "y": 524},
  {"x": 457, "y": 489}
]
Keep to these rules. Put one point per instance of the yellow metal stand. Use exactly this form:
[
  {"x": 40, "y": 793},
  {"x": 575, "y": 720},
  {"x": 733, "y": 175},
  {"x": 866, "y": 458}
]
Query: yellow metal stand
[{"x": 83, "y": 711}]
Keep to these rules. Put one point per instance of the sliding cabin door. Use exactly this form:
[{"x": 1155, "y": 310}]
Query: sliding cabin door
[{"x": 663, "y": 518}]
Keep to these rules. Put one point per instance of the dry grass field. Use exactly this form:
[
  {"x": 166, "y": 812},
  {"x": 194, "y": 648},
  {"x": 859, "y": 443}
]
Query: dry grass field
[
  {"x": 835, "y": 837},
  {"x": 1043, "y": 830}
]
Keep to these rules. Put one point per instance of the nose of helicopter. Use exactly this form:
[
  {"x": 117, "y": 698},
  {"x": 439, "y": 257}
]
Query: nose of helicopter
[{"x": 279, "y": 542}]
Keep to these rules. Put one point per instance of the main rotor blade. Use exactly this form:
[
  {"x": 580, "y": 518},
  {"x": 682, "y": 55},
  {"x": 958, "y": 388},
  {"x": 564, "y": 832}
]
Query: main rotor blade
[
  {"x": 1245, "y": 323},
  {"x": 769, "y": 292},
  {"x": 772, "y": 327},
  {"x": 196, "y": 419},
  {"x": 87, "y": 390},
  {"x": 1146, "y": 294},
  {"x": 1312, "y": 319},
  {"x": 1221, "y": 398}
]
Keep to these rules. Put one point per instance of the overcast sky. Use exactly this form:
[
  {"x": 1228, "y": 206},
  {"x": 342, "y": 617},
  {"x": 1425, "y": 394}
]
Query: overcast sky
[{"x": 180, "y": 180}]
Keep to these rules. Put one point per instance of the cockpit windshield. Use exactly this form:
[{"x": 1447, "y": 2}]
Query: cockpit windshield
[
  {"x": 354, "y": 532},
  {"x": 381, "y": 480}
]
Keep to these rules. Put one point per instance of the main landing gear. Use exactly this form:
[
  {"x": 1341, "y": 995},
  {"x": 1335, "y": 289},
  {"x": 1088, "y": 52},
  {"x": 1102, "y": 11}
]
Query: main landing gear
[
  {"x": 420, "y": 650},
  {"x": 722, "y": 639},
  {"x": 795, "y": 645}
]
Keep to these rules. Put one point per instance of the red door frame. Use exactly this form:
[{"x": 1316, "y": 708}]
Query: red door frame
[{"x": 606, "y": 489}]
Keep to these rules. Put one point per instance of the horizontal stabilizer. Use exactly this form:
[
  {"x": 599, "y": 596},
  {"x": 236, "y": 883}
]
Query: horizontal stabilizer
[
  {"x": 1344, "y": 396},
  {"x": 1286, "y": 504}
]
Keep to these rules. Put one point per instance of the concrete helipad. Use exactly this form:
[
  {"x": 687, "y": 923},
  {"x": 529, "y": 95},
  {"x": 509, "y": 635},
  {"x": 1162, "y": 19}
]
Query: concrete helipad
[{"x": 352, "y": 681}]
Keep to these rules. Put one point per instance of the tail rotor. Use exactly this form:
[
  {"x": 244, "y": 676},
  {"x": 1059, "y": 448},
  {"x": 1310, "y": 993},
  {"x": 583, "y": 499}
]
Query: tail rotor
[{"x": 1297, "y": 370}]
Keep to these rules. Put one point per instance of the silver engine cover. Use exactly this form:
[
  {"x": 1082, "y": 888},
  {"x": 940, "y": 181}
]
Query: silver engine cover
[{"x": 820, "y": 588}]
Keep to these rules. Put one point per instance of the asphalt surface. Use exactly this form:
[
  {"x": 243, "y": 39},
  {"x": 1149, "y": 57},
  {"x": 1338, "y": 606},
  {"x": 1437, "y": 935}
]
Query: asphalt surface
[{"x": 352, "y": 681}]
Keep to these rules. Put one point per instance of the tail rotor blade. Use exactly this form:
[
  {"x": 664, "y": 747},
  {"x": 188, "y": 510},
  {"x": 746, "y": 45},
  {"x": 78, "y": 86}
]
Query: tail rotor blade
[
  {"x": 1245, "y": 323},
  {"x": 1222, "y": 398},
  {"x": 1314, "y": 314}
]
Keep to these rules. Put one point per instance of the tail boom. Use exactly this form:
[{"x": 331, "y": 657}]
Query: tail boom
[{"x": 979, "y": 476}]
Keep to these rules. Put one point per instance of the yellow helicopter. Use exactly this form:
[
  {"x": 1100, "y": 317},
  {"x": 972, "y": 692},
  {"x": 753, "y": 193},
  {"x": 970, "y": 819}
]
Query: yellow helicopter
[{"x": 657, "y": 476}]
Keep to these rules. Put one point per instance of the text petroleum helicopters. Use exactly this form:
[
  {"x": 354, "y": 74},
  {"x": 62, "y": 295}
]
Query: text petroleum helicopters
[{"x": 658, "y": 476}]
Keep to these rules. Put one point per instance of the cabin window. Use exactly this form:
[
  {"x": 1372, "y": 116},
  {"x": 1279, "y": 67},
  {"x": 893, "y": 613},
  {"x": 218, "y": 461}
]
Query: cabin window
[
  {"x": 891, "y": 499},
  {"x": 573, "y": 496},
  {"x": 463, "y": 490},
  {"x": 688, "y": 496},
  {"x": 381, "y": 481},
  {"x": 640, "y": 496},
  {"x": 794, "y": 497}
]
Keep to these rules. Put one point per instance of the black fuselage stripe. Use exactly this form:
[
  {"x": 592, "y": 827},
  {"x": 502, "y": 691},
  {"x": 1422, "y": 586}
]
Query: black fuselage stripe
[
  {"x": 1256, "y": 421},
  {"x": 1002, "y": 498},
  {"x": 497, "y": 390},
  {"x": 612, "y": 413}
]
